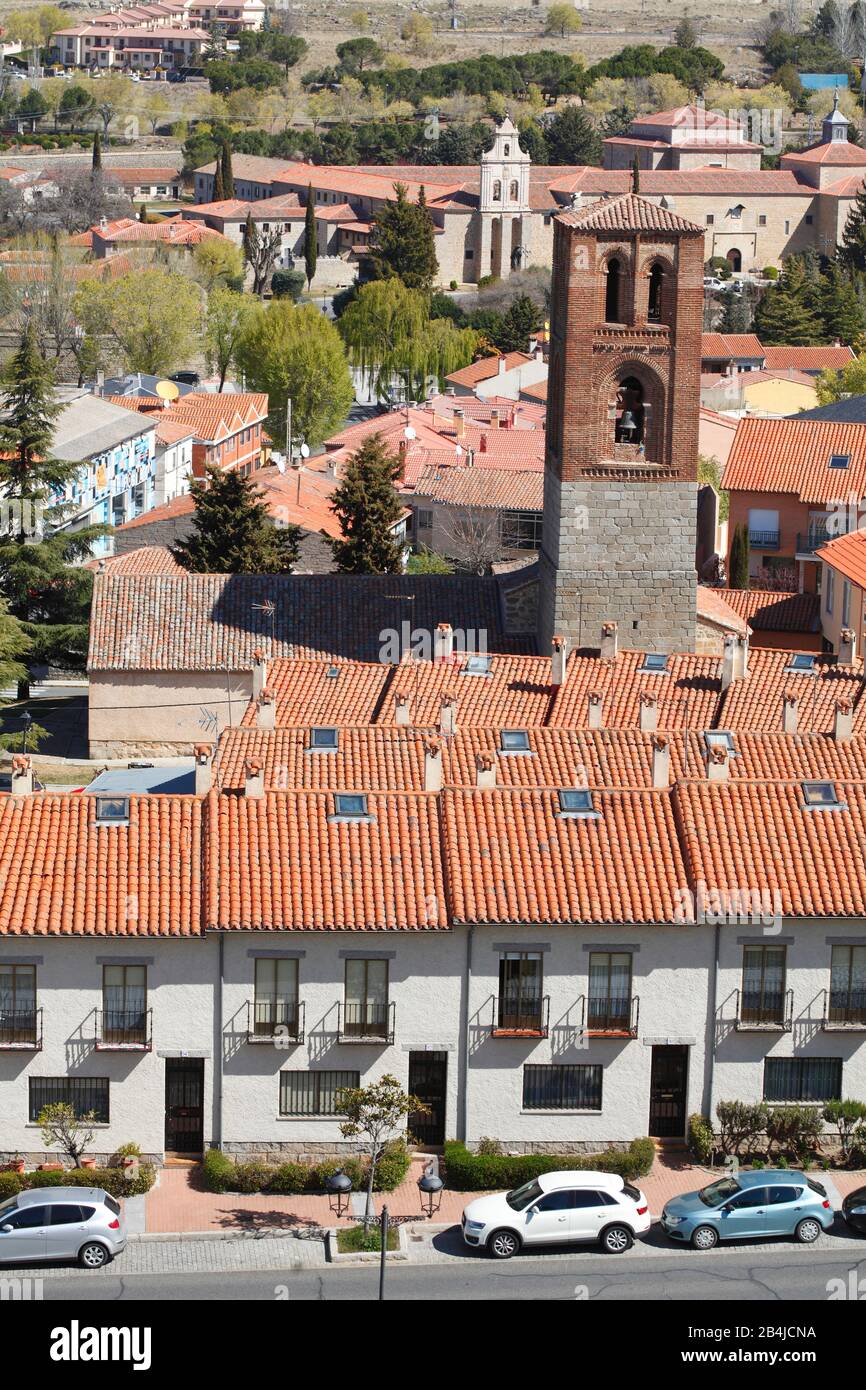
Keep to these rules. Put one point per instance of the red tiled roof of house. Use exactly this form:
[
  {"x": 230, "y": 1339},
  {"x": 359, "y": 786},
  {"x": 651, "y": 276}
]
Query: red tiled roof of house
[
  {"x": 836, "y": 152},
  {"x": 589, "y": 179},
  {"x": 628, "y": 212},
  {"x": 282, "y": 863},
  {"x": 756, "y": 702},
  {"x": 793, "y": 456},
  {"x": 808, "y": 358},
  {"x": 150, "y": 559},
  {"x": 483, "y": 488},
  {"x": 687, "y": 696},
  {"x": 730, "y": 345},
  {"x": 770, "y": 610},
  {"x": 847, "y": 554},
  {"x": 536, "y": 392},
  {"x": 61, "y": 874},
  {"x": 712, "y": 607},
  {"x": 310, "y": 692},
  {"x": 487, "y": 367}
]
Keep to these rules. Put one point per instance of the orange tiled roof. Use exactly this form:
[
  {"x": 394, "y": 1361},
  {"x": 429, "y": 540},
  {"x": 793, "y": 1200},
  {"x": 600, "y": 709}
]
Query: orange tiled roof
[
  {"x": 769, "y": 610},
  {"x": 628, "y": 212},
  {"x": 730, "y": 345},
  {"x": 847, "y": 554},
  {"x": 711, "y": 606},
  {"x": 808, "y": 358},
  {"x": 840, "y": 153},
  {"x": 793, "y": 455},
  {"x": 150, "y": 559},
  {"x": 483, "y": 487},
  {"x": 318, "y": 692},
  {"x": 688, "y": 696},
  {"x": 487, "y": 367},
  {"x": 756, "y": 702}
]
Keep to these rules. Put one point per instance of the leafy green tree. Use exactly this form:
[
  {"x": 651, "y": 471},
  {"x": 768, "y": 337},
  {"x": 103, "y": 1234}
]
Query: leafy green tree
[
  {"x": 851, "y": 381},
  {"x": 372, "y": 1115},
  {"x": 232, "y": 530},
  {"x": 390, "y": 336},
  {"x": 403, "y": 241},
  {"x": 738, "y": 577},
  {"x": 787, "y": 312},
  {"x": 153, "y": 317},
  {"x": 14, "y": 645},
  {"x": 226, "y": 317},
  {"x": 357, "y": 54},
  {"x": 367, "y": 506},
  {"x": 561, "y": 20},
  {"x": 428, "y": 562},
  {"x": 43, "y": 590},
  {"x": 288, "y": 284},
  {"x": 311, "y": 237},
  {"x": 292, "y": 351},
  {"x": 572, "y": 138},
  {"x": 76, "y": 107}
]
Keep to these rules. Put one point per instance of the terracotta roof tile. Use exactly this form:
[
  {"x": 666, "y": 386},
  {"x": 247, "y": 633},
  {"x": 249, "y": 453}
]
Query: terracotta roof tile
[
  {"x": 793, "y": 456},
  {"x": 808, "y": 358},
  {"x": 627, "y": 212},
  {"x": 847, "y": 554},
  {"x": 318, "y": 692},
  {"x": 756, "y": 702},
  {"x": 768, "y": 610}
]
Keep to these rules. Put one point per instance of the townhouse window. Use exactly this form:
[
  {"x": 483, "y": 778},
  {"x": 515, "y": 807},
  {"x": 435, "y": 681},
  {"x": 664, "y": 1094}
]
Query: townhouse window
[
  {"x": 425, "y": 519},
  {"x": 802, "y": 1078},
  {"x": 763, "y": 993},
  {"x": 847, "y": 985},
  {"x": 609, "y": 1002},
  {"x": 711, "y": 219},
  {"x": 17, "y": 1004},
  {"x": 809, "y": 219},
  {"x": 365, "y": 1007},
  {"x": 522, "y": 530},
  {"x": 562, "y": 1088},
  {"x": 846, "y": 603},
  {"x": 124, "y": 1004},
  {"x": 519, "y": 1007},
  {"x": 314, "y": 1092},
  {"x": 86, "y": 1094},
  {"x": 275, "y": 1004},
  {"x": 762, "y": 220},
  {"x": 829, "y": 586},
  {"x": 763, "y": 528}
]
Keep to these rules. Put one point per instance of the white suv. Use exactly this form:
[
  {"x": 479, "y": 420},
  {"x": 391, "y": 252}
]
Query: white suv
[{"x": 557, "y": 1208}]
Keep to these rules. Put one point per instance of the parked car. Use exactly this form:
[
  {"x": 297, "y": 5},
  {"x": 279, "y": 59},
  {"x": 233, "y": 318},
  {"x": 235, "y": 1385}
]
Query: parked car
[
  {"x": 854, "y": 1210},
  {"x": 771, "y": 1202},
  {"x": 61, "y": 1223},
  {"x": 176, "y": 77},
  {"x": 714, "y": 284},
  {"x": 555, "y": 1209}
]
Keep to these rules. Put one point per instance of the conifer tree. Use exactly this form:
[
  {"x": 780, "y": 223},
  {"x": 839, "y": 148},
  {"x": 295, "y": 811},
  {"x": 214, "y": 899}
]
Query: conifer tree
[
  {"x": 789, "y": 311},
  {"x": 96, "y": 159},
  {"x": 226, "y": 170},
  {"x": 219, "y": 192},
  {"x": 311, "y": 246},
  {"x": 403, "y": 241},
  {"x": 522, "y": 319},
  {"x": 367, "y": 505},
  {"x": 233, "y": 532},
  {"x": 739, "y": 575},
  {"x": 842, "y": 305},
  {"x": 852, "y": 252},
  {"x": 635, "y": 174}
]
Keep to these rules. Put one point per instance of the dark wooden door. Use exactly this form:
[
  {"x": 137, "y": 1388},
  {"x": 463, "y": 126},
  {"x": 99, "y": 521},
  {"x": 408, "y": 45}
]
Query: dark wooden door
[
  {"x": 667, "y": 1116},
  {"x": 428, "y": 1072},
  {"x": 184, "y": 1105}
]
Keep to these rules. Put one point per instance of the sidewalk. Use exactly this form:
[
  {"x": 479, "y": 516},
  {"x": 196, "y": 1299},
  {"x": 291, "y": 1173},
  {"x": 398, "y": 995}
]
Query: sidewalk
[{"x": 179, "y": 1204}]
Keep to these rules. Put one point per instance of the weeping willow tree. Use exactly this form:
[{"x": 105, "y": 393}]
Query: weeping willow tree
[{"x": 391, "y": 339}]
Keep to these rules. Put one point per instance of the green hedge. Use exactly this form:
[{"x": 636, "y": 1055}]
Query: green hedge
[
  {"x": 221, "y": 1174},
  {"x": 469, "y": 1172},
  {"x": 117, "y": 1181}
]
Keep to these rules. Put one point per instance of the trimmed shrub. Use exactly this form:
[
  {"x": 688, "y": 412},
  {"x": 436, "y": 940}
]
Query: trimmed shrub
[
  {"x": 287, "y": 1179},
  {"x": 847, "y": 1117},
  {"x": 220, "y": 1174},
  {"x": 392, "y": 1166},
  {"x": 472, "y": 1172},
  {"x": 217, "y": 1171},
  {"x": 10, "y": 1185},
  {"x": 318, "y": 1173},
  {"x": 702, "y": 1140},
  {"x": 250, "y": 1177},
  {"x": 115, "y": 1181},
  {"x": 770, "y": 272},
  {"x": 741, "y": 1125},
  {"x": 795, "y": 1129}
]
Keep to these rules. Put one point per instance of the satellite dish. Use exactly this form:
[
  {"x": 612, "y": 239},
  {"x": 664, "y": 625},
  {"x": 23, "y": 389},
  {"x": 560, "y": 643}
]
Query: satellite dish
[
  {"x": 167, "y": 390},
  {"x": 304, "y": 451},
  {"x": 280, "y": 462},
  {"x": 409, "y": 432}
]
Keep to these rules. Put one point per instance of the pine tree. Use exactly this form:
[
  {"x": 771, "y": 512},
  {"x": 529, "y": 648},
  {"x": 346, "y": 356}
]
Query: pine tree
[
  {"x": 852, "y": 252},
  {"x": 311, "y": 244},
  {"x": 789, "y": 311},
  {"x": 42, "y": 586},
  {"x": 842, "y": 306},
  {"x": 403, "y": 241},
  {"x": 96, "y": 163},
  {"x": 738, "y": 577},
  {"x": 367, "y": 506},
  {"x": 518, "y": 324},
  {"x": 233, "y": 532},
  {"x": 219, "y": 191},
  {"x": 226, "y": 170},
  {"x": 635, "y": 175}
]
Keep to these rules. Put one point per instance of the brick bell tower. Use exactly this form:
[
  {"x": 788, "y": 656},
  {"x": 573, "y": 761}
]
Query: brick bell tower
[{"x": 620, "y": 477}]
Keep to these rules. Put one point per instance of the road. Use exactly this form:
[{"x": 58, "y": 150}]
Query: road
[{"x": 751, "y": 1276}]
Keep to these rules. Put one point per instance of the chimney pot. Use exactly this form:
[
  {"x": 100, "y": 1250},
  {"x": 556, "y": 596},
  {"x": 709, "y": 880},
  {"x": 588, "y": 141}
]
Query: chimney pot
[
  {"x": 494, "y": 419},
  {"x": 402, "y": 707},
  {"x": 789, "y": 712},
  {"x": 432, "y": 765},
  {"x": 649, "y": 713},
  {"x": 661, "y": 761},
  {"x": 482, "y": 444},
  {"x": 260, "y": 672},
  {"x": 459, "y": 422},
  {"x": 718, "y": 764},
  {"x": 843, "y": 721},
  {"x": 729, "y": 661},
  {"x": 254, "y": 778},
  {"x": 266, "y": 710},
  {"x": 22, "y": 775},
  {"x": 847, "y": 647},
  {"x": 485, "y": 770},
  {"x": 203, "y": 754},
  {"x": 741, "y": 665},
  {"x": 595, "y": 702},
  {"x": 448, "y": 713},
  {"x": 443, "y": 642},
  {"x": 558, "y": 660},
  {"x": 609, "y": 642}
]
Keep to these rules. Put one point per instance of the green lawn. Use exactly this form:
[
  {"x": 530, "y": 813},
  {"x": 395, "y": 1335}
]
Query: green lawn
[{"x": 351, "y": 1239}]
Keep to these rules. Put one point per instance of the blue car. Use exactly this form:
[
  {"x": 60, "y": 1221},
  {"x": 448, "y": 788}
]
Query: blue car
[{"x": 772, "y": 1202}]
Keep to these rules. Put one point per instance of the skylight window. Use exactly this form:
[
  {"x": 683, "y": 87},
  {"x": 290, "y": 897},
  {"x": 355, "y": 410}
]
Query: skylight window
[
  {"x": 324, "y": 740},
  {"x": 802, "y": 663},
  {"x": 332, "y": 673},
  {"x": 350, "y": 806},
  {"x": 575, "y": 803},
  {"x": 514, "y": 741},
  {"x": 822, "y": 796},
  {"x": 112, "y": 810},
  {"x": 840, "y": 460},
  {"x": 654, "y": 663},
  {"x": 720, "y": 738},
  {"x": 477, "y": 665}
]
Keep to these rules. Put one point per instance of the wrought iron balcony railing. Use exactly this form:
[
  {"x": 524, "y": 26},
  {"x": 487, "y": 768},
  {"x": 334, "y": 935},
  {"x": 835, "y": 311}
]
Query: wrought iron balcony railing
[
  {"x": 844, "y": 1008},
  {"x": 124, "y": 1030},
  {"x": 274, "y": 1020},
  {"x": 521, "y": 1017},
  {"x": 613, "y": 1016},
  {"x": 758, "y": 1012},
  {"x": 764, "y": 540},
  {"x": 21, "y": 1029},
  {"x": 366, "y": 1023}
]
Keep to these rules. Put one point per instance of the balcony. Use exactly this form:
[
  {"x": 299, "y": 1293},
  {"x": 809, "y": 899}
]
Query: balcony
[
  {"x": 844, "y": 1011},
  {"x": 123, "y": 1030},
  {"x": 807, "y": 544},
  {"x": 767, "y": 1013},
  {"x": 764, "y": 540},
  {"x": 21, "y": 1030},
  {"x": 275, "y": 1021},
  {"x": 612, "y": 1017},
  {"x": 365, "y": 1023},
  {"x": 521, "y": 1018}
]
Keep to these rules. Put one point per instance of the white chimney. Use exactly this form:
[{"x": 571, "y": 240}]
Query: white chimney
[
  {"x": 22, "y": 775},
  {"x": 266, "y": 710},
  {"x": 558, "y": 663},
  {"x": 847, "y": 647},
  {"x": 485, "y": 770},
  {"x": 729, "y": 660},
  {"x": 448, "y": 714},
  {"x": 501, "y": 367},
  {"x": 203, "y": 754},
  {"x": 402, "y": 707},
  {"x": 741, "y": 661},
  {"x": 595, "y": 704},
  {"x": 443, "y": 642},
  {"x": 432, "y": 765},
  {"x": 649, "y": 713},
  {"x": 789, "y": 712},
  {"x": 254, "y": 778},
  {"x": 718, "y": 763},
  {"x": 661, "y": 761},
  {"x": 609, "y": 642},
  {"x": 260, "y": 672},
  {"x": 843, "y": 721}
]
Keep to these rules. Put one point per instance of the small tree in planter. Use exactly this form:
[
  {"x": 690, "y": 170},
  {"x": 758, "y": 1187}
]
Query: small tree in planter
[
  {"x": 374, "y": 1114},
  {"x": 845, "y": 1115},
  {"x": 63, "y": 1129}
]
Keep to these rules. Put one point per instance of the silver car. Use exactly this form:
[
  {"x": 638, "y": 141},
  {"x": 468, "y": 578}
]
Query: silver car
[{"x": 61, "y": 1223}]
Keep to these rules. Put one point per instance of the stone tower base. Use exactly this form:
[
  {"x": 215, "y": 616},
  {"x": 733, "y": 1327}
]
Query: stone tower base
[{"x": 619, "y": 550}]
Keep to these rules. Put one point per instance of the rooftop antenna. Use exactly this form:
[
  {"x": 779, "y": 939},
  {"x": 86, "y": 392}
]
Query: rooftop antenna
[{"x": 269, "y": 609}]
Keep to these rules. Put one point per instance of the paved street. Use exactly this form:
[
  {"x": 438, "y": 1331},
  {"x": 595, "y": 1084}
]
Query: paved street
[{"x": 754, "y": 1274}]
